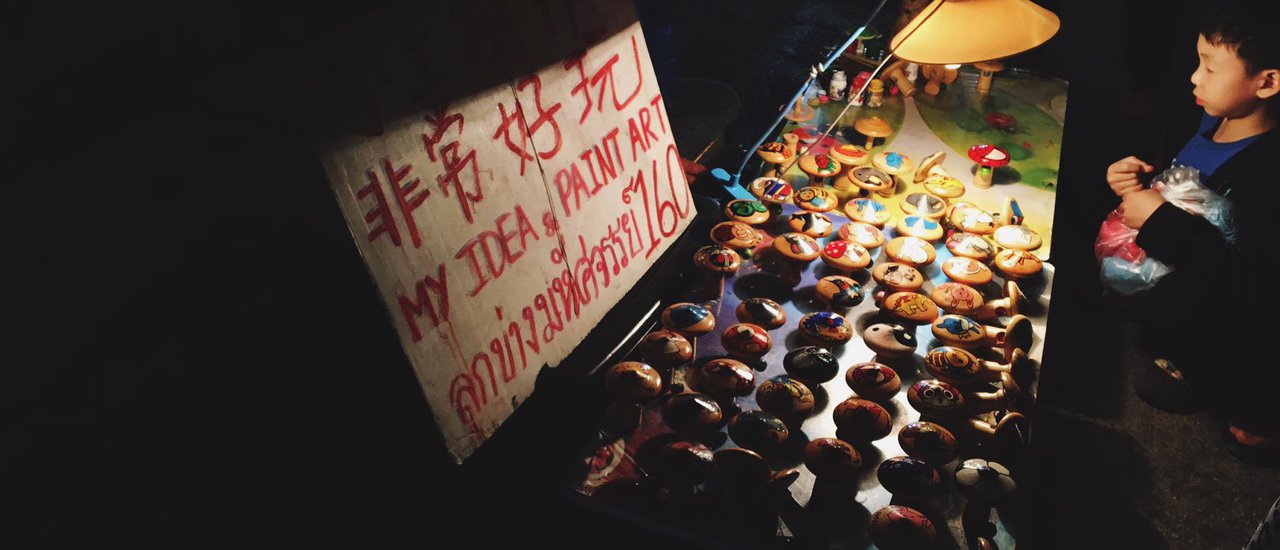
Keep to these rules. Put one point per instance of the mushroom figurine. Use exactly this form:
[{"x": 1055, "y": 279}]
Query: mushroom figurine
[
  {"x": 813, "y": 224},
  {"x": 890, "y": 340},
  {"x": 989, "y": 157},
  {"x": 873, "y": 381},
  {"x": 909, "y": 308},
  {"x": 737, "y": 235},
  {"x": 759, "y": 431},
  {"x": 967, "y": 217},
  {"x": 897, "y": 277},
  {"x": 1010, "y": 213},
  {"x": 831, "y": 458},
  {"x": 800, "y": 112},
  {"x": 921, "y": 227},
  {"x": 838, "y": 292},
  {"x": 750, "y": 212},
  {"x": 908, "y": 477},
  {"x": 1018, "y": 263},
  {"x": 691, "y": 414},
  {"x": 929, "y": 442},
  {"x": 786, "y": 397},
  {"x": 1017, "y": 237},
  {"x": 861, "y": 420},
  {"x": 863, "y": 234},
  {"x": 970, "y": 245},
  {"x": 985, "y": 484},
  {"x": 873, "y": 127},
  {"x": 774, "y": 192},
  {"x": 957, "y": 298},
  {"x": 717, "y": 262},
  {"x": 1011, "y": 304},
  {"x": 868, "y": 211},
  {"x": 955, "y": 365},
  {"x": 986, "y": 73},
  {"x": 912, "y": 251},
  {"x": 897, "y": 527},
  {"x": 633, "y": 381},
  {"x": 775, "y": 154},
  {"x": 897, "y": 165},
  {"x": 943, "y": 186},
  {"x": 960, "y": 331},
  {"x": 846, "y": 257},
  {"x": 967, "y": 271},
  {"x": 819, "y": 168},
  {"x": 725, "y": 379},
  {"x": 761, "y": 312},
  {"x": 746, "y": 341},
  {"x": 690, "y": 320},
  {"x": 792, "y": 140},
  {"x": 812, "y": 365},
  {"x": 816, "y": 199},
  {"x": 850, "y": 155},
  {"x": 872, "y": 180},
  {"x": 665, "y": 349},
  {"x": 944, "y": 401},
  {"x": 825, "y": 328},
  {"x": 923, "y": 204},
  {"x": 797, "y": 250}
]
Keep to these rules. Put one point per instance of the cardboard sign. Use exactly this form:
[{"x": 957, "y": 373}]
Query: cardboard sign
[{"x": 502, "y": 223}]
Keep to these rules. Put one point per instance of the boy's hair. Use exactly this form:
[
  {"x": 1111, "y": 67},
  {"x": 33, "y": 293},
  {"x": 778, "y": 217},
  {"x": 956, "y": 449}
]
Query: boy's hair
[{"x": 1250, "y": 28}]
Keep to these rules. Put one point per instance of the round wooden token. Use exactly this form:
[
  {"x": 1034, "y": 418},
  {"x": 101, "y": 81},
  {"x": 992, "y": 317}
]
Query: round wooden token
[
  {"x": 944, "y": 186},
  {"x": 746, "y": 341},
  {"x": 633, "y": 381},
  {"x": 905, "y": 476},
  {"x": 867, "y": 211},
  {"x": 860, "y": 420},
  {"x": 910, "y": 307},
  {"x": 846, "y": 256},
  {"x": 967, "y": 270},
  {"x": 813, "y": 224},
  {"x": 819, "y": 166},
  {"x": 912, "y": 251},
  {"x": 868, "y": 236},
  {"x": 967, "y": 217},
  {"x": 758, "y": 430},
  {"x": 718, "y": 259},
  {"x": 897, "y": 276},
  {"x": 726, "y": 378},
  {"x": 1018, "y": 237},
  {"x": 797, "y": 247},
  {"x": 771, "y": 190},
  {"x": 685, "y": 462},
  {"x": 785, "y": 397},
  {"x": 750, "y": 212},
  {"x": 897, "y": 527},
  {"x": 816, "y": 199},
  {"x": 954, "y": 365},
  {"x": 1018, "y": 263},
  {"x": 825, "y": 328},
  {"x": 928, "y": 164},
  {"x": 838, "y": 291},
  {"x": 850, "y": 155},
  {"x": 665, "y": 349},
  {"x": 761, "y": 312},
  {"x": 923, "y": 204},
  {"x": 736, "y": 235},
  {"x": 971, "y": 245},
  {"x": 873, "y": 381},
  {"x": 691, "y": 413},
  {"x": 958, "y": 330},
  {"x": 811, "y": 364},
  {"x": 774, "y": 152},
  {"x": 928, "y": 442},
  {"x": 956, "y": 298},
  {"x": 690, "y": 320},
  {"x": 830, "y": 458},
  {"x": 983, "y": 481},
  {"x": 890, "y": 340},
  {"x": 935, "y": 397},
  {"x": 894, "y": 164},
  {"x": 872, "y": 181},
  {"x": 919, "y": 226}
]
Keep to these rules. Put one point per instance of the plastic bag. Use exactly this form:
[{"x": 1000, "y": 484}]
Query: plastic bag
[{"x": 1125, "y": 266}]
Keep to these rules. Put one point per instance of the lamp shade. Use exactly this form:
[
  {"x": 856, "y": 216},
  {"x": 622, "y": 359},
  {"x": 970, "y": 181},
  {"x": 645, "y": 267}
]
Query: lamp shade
[{"x": 968, "y": 31}]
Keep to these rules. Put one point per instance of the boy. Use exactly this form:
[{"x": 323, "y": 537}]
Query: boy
[{"x": 1210, "y": 317}]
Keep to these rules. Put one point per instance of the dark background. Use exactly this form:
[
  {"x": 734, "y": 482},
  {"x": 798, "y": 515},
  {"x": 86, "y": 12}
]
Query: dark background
[{"x": 203, "y": 360}]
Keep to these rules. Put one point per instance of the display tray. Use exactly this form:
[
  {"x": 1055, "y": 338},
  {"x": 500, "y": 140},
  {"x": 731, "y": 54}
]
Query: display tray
[{"x": 619, "y": 473}]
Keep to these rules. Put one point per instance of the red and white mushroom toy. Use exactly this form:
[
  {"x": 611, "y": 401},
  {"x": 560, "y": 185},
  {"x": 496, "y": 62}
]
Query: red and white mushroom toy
[{"x": 989, "y": 157}]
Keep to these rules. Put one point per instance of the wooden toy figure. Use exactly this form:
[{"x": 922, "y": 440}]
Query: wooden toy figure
[
  {"x": 897, "y": 277},
  {"x": 910, "y": 308},
  {"x": 897, "y": 165},
  {"x": 873, "y": 127},
  {"x": 750, "y": 212},
  {"x": 690, "y": 320},
  {"x": 785, "y": 397},
  {"x": 759, "y": 431},
  {"x": 737, "y": 235},
  {"x": 967, "y": 271},
  {"x": 1011, "y": 304},
  {"x": 746, "y": 341},
  {"x": 929, "y": 442},
  {"x": 717, "y": 262},
  {"x": 761, "y": 312},
  {"x": 825, "y": 328},
  {"x": 957, "y": 298},
  {"x": 868, "y": 236},
  {"x": 970, "y": 245},
  {"x": 839, "y": 292},
  {"x": 901, "y": 528},
  {"x": 910, "y": 477},
  {"x": 860, "y": 420},
  {"x": 960, "y": 331},
  {"x": 873, "y": 381},
  {"x": 847, "y": 257},
  {"x": 692, "y": 414},
  {"x": 813, "y": 224},
  {"x": 890, "y": 341},
  {"x": 796, "y": 251},
  {"x": 812, "y": 365},
  {"x": 1018, "y": 263},
  {"x": 633, "y": 381},
  {"x": 831, "y": 458},
  {"x": 867, "y": 211},
  {"x": 989, "y": 157},
  {"x": 819, "y": 168},
  {"x": 725, "y": 379},
  {"x": 957, "y": 366},
  {"x": 775, "y": 154},
  {"x": 773, "y": 192},
  {"x": 665, "y": 349}
]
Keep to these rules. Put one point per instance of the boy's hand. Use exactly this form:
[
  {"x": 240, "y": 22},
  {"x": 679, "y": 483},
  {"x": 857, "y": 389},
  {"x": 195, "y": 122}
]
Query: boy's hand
[
  {"x": 1137, "y": 206},
  {"x": 1122, "y": 175}
]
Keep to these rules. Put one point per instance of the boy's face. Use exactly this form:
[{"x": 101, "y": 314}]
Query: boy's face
[{"x": 1223, "y": 86}]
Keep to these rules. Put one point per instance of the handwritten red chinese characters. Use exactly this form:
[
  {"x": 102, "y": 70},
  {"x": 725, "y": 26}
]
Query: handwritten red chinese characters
[
  {"x": 453, "y": 161},
  {"x": 514, "y": 122},
  {"x": 406, "y": 201}
]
